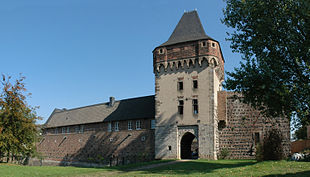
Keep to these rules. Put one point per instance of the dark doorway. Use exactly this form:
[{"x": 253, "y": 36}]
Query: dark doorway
[{"x": 189, "y": 146}]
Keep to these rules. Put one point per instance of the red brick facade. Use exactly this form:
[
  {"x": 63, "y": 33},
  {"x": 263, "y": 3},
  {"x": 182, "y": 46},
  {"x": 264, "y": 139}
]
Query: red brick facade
[{"x": 95, "y": 144}]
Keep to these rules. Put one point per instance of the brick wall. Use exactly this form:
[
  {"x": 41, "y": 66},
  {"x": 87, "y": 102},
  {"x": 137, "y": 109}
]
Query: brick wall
[
  {"x": 243, "y": 122},
  {"x": 97, "y": 145},
  {"x": 300, "y": 145}
]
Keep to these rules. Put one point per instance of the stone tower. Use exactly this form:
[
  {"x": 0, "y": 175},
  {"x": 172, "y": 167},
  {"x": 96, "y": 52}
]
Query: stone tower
[{"x": 189, "y": 71}]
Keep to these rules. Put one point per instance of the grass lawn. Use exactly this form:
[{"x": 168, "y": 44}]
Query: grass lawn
[{"x": 188, "y": 168}]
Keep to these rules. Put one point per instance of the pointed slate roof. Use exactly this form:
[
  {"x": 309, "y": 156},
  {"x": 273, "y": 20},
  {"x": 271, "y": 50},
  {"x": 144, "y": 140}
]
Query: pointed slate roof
[{"x": 189, "y": 28}]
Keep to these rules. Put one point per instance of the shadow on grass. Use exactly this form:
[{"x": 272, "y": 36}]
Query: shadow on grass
[
  {"x": 303, "y": 173},
  {"x": 199, "y": 166}
]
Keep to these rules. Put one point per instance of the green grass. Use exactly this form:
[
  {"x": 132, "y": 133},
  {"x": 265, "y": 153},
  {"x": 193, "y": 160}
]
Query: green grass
[
  {"x": 8, "y": 170},
  {"x": 189, "y": 168},
  {"x": 229, "y": 168}
]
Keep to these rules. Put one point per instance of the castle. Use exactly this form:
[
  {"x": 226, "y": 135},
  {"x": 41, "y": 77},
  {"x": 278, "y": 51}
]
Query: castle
[{"x": 188, "y": 117}]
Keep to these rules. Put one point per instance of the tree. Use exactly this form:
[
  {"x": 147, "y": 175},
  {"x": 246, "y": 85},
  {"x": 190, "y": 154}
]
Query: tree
[
  {"x": 273, "y": 37},
  {"x": 18, "y": 131}
]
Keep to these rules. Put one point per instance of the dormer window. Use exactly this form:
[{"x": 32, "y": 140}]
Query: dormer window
[{"x": 161, "y": 51}]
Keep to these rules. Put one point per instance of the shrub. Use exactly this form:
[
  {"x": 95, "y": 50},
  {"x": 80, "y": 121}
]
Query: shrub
[
  {"x": 272, "y": 147},
  {"x": 224, "y": 153}
]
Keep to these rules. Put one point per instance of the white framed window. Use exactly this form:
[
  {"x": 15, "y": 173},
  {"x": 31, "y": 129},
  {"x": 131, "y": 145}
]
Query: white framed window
[
  {"x": 153, "y": 124},
  {"x": 138, "y": 124},
  {"x": 81, "y": 128},
  {"x": 68, "y": 129},
  {"x": 116, "y": 128},
  {"x": 77, "y": 129},
  {"x": 109, "y": 127},
  {"x": 56, "y": 130},
  {"x": 63, "y": 130},
  {"x": 129, "y": 125}
]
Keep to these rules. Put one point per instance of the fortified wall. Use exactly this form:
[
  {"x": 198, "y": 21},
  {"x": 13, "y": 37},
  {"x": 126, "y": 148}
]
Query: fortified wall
[{"x": 245, "y": 127}]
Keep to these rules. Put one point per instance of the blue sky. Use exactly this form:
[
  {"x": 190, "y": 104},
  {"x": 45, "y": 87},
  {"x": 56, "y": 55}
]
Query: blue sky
[{"x": 80, "y": 52}]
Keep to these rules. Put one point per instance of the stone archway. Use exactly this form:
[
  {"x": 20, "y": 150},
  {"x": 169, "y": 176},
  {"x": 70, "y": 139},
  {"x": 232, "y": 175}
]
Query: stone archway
[{"x": 189, "y": 146}]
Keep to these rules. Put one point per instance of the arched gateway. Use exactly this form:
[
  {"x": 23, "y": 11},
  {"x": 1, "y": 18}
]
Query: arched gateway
[{"x": 189, "y": 146}]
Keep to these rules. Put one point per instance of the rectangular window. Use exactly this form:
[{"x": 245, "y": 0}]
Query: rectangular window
[
  {"x": 180, "y": 85},
  {"x": 56, "y": 130},
  {"x": 63, "y": 130},
  {"x": 195, "y": 84},
  {"x": 81, "y": 128},
  {"x": 138, "y": 124},
  {"x": 130, "y": 125},
  {"x": 77, "y": 129},
  {"x": 180, "y": 107},
  {"x": 153, "y": 124},
  {"x": 195, "y": 106},
  {"x": 68, "y": 129},
  {"x": 109, "y": 127},
  {"x": 116, "y": 128}
]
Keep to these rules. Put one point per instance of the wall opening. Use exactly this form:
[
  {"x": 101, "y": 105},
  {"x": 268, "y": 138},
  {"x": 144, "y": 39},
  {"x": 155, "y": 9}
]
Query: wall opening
[{"x": 189, "y": 146}]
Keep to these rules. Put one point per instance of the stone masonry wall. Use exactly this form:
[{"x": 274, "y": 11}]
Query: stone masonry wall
[
  {"x": 100, "y": 146},
  {"x": 244, "y": 125}
]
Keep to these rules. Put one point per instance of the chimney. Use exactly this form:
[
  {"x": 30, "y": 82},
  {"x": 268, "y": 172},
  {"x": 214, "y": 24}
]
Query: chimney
[{"x": 112, "y": 101}]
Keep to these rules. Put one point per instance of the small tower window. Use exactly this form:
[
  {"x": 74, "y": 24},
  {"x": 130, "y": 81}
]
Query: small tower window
[
  {"x": 195, "y": 106},
  {"x": 180, "y": 85},
  {"x": 203, "y": 44},
  {"x": 195, "y": 84},
  {"x": 181, "y": 107},
  {"x": 161, "y": 51},
  {"x": 213, "y": 44}
]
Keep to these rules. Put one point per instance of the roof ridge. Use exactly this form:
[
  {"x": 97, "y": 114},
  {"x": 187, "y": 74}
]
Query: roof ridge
[{"x": 98, "y": 104}]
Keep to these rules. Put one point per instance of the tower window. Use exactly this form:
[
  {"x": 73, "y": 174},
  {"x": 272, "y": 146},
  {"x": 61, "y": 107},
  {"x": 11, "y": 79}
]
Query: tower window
[
  {"x": 213, "y": 44},
  {"x": 203, "y": 44},
  {"x": 195, "y": 84},
  {"x": 180, "y": 85},
  {"x": 195, "y": 106},
  {"x": 181, "y": 107},
  {"x": 169, "y": 148},
  {"x": 161, "y": 51}
]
